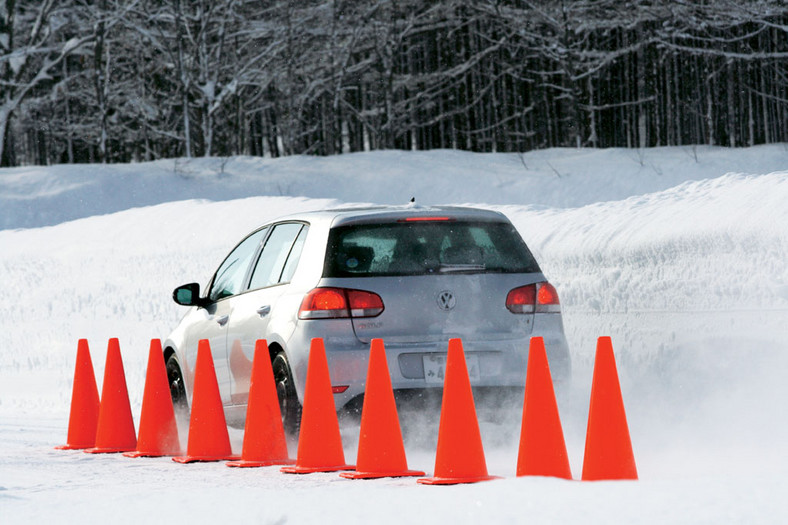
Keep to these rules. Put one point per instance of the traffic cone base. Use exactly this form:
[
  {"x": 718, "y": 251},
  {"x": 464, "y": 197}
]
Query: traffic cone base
[
  {"x": 376, "y": 474},
  {"x": 247, "y": 463},
  {"x": 105, "y": 450},
  {"x": 295, "y": 469},
  {"x": 208, "y": 437},
  {"x": 203, "y": 459},
  {"x": 454, "y": 481},
  {"x": 83, "y": 417},
  {"x": 115, "y": 431},
  {"x": 138, "y": 454},
  {"x": 69, "y": 447}
]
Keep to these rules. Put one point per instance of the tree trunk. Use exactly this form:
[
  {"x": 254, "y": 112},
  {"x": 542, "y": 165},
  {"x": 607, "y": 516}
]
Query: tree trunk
[
  {"x": 731, "y": 106},
  {"x": 7, "y": 11},
  {"x": 184, "y": 81},
  {"x": 642, "y": 117}
]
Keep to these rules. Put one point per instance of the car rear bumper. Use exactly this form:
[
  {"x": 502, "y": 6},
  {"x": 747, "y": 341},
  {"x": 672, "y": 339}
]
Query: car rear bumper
[{"x": 491, "y": 364}]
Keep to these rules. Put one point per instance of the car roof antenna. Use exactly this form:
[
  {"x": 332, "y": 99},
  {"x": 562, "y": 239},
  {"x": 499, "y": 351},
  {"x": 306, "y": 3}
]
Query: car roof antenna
[{"x": 412, "y": 203}]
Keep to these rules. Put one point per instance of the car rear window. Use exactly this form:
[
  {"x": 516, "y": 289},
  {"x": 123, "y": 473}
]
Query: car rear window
[{"x": 426, "y": 247}]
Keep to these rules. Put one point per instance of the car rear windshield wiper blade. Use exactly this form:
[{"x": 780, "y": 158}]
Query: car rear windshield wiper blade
[{"x": 461, "y": 267}]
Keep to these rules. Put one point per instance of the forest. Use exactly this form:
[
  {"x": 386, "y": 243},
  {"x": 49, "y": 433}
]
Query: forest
[{"x": 105, "y": 81}]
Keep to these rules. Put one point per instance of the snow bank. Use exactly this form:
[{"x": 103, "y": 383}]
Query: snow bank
[{"x": 36, "y": 196}]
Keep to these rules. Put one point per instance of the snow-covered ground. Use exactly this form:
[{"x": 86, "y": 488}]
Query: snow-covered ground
[{"x": 679, "y": 254}]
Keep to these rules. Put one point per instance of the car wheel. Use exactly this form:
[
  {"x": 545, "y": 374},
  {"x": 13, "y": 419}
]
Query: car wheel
[
  {"x": 285, "y": 390},
  {"x": 177, "y": 387}
]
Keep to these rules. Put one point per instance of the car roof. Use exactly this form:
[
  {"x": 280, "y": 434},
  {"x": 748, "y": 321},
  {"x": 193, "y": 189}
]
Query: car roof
[{"x": 378, "y": 214}]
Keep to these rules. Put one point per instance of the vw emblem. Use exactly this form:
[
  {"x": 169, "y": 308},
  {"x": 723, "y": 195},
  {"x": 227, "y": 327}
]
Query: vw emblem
[{"x": 446, "y": 300}]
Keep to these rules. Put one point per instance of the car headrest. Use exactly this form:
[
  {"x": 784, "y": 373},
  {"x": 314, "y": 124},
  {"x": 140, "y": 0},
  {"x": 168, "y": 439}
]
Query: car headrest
[{"x": 356, "y": 258}]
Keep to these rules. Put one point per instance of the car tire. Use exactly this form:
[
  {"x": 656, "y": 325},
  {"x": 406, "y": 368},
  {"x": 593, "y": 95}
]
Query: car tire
[
  {"x": 177, "y": 388},
  {"x": 289, "y": 406}
]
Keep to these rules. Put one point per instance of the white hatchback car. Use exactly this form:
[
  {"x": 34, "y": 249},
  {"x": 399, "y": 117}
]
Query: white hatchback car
[{"x": 413, "y": 276}]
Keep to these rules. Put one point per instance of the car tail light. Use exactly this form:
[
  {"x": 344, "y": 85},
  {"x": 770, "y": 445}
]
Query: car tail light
[
  {"x": 324, "y": 303},
  {"x": 522, "y": 300},
  {"x": 339, "y": 303},
  {"x": 547, "y": 299},
  {"x": 538, "y": 297},
  {"x": 364, "y": 304}
]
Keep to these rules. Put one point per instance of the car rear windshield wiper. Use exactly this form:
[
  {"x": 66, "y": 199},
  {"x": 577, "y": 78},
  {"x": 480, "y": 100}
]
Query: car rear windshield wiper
[{"x": 446, "y": 268}]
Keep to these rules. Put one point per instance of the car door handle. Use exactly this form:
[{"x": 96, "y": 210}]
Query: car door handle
[
  {"x": 264, "y": 310},
  {"x": 222, "y": 320}
]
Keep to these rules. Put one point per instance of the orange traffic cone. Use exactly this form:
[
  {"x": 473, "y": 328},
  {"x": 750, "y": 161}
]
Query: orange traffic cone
[
  {"x": 158, "y": 435},
  {"x": 381, "y": 451},
  {"x": 264, "y": 435},
  {"x": 83, "y": 418},
  {"x": 208, "y": 436},
  {"x": 115, "y": 432},
  {"x": 319, "y": 444},
  {"x": 542, "y": 446},
  {"x": 460, "y": 455},
  {"x": 608, "y": 452}
]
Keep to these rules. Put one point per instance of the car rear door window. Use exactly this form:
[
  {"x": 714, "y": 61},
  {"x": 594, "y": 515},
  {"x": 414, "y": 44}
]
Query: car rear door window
[
  {"x": 293, "y": 258},
  {"x": 274, "y": 266}
]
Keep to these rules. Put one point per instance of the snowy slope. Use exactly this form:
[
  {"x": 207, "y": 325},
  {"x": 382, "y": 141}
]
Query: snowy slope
[
  {"x": 678, "y": 253},
  {"x": 35, "y": 196}
]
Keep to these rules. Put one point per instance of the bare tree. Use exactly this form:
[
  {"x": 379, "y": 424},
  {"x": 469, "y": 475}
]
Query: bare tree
[
  {"x": 33, "y": 48},
  {"x": 115, "y": 80}
]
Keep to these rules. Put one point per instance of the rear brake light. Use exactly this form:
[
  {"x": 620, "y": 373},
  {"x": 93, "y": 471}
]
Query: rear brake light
[
  {"x": 540, "y": 298},
  {"x": 324, "y": 303},
  {"x": 522, "y": 300},
  {"x": 547, "y": 299},
  {"x": 339, "y": 303},
  {"x": 425, "y": 219},
  {"x": 364, "y": 304}
]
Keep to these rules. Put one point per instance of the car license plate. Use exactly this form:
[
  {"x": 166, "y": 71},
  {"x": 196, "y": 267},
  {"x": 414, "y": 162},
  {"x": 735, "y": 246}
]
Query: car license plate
[{"x": 435, "y": 367}]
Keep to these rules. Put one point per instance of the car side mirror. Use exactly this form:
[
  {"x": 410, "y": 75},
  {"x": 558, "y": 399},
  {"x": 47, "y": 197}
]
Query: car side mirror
[{"x": 188, "y": 295}]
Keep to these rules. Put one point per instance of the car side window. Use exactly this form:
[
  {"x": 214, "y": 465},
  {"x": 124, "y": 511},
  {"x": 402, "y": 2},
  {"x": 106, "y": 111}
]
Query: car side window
[
  {"x": 230, "y": 275},
  {"x": 283, "y": 243},
  {"x": 295, "y": 255}
]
